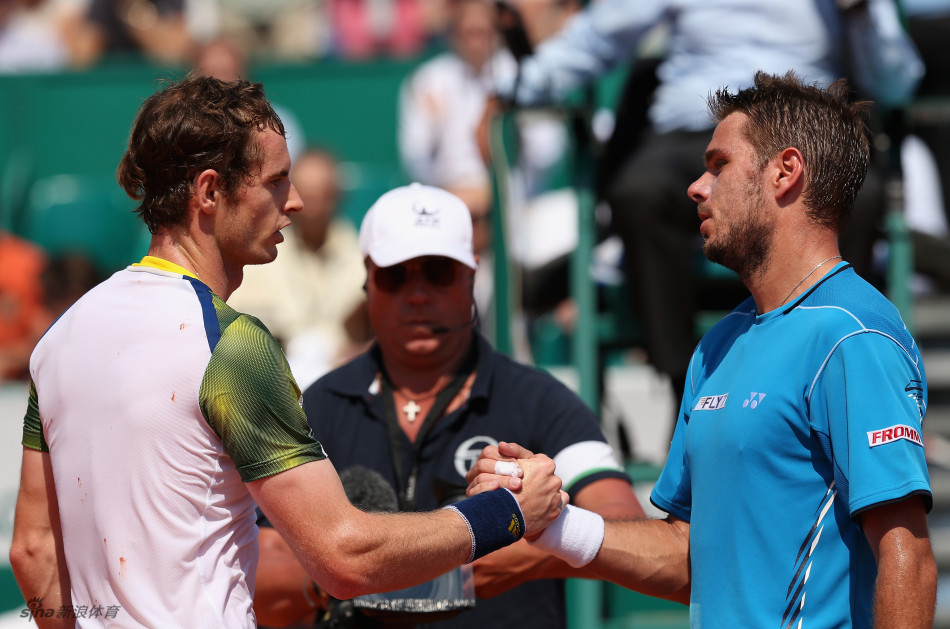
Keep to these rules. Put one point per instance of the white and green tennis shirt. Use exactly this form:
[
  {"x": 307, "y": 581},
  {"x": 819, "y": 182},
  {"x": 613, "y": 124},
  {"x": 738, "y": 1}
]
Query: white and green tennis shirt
[{"x": 157, "y": 402}]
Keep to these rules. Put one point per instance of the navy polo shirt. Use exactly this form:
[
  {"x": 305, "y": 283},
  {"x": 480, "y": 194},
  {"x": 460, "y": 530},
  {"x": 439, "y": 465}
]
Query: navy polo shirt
[{"x": 509, "y": 401}]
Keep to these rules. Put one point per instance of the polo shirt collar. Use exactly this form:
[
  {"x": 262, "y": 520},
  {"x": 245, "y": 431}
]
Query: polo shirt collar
[{"x": 358, "y": 378}]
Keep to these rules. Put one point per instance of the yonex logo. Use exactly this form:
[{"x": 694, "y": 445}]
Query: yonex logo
[
  {"x": 892, "y": 434},
  {"x": 424, "y": 216},
  {"x": 515, "y": 526},
  {"x": 711, "y": 402},
  {"x": 754, "y": 400}
]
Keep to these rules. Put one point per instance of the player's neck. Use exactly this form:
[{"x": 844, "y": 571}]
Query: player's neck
[
  {"x": 177, "y": 246},
  {"x": 790, "y": 276}
]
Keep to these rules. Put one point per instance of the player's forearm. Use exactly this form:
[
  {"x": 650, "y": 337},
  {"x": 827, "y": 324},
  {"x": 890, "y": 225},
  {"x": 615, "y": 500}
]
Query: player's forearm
[
  {"x": 383, "y": 552},
  {"x": 36, "y": 552},
  {"x": 648, "y": 556},
  {"x": 906, "y": 591},
  {"x": 40, "y": 570}
]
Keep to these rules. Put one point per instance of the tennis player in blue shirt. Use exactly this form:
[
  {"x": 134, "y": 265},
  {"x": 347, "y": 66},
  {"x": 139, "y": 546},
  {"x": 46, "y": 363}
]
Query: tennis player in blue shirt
[{"x": 796, "y": 483}]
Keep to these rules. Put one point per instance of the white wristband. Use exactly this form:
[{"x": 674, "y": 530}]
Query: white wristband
[{"x": 575, "y": 536}]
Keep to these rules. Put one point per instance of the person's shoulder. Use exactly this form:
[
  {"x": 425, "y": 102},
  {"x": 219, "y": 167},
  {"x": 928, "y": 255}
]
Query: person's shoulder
[
  {"x": 736, "y": 320},
  {"x": 847, "y": 302},
  {"x": 350, "y": 378},
  {"x": 438, "y": 68},
  {"x": 243, "y": 332},
  {"x": 343, "y": 229},
  {"x": 845, "y": 310},
  {"x": 342, "y": 240},
  {"x": 742, "y": 312}
]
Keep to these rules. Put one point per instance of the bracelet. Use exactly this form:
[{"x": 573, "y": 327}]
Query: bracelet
[
  {"x": 575, "y": 537},
  {"x": 494, "y": 520},
  {"x": 308, "y": 585}
]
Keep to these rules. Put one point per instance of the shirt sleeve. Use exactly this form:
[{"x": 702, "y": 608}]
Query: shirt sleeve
[
  {"x": 673, "y": 491},
  {"x": 251, "y": 401},
  {"x": 33, "y": 437},
  {"x": 595, "y": 39},
  {"x": 869, "y": 403},
  {"x": 571, "y": 431}
]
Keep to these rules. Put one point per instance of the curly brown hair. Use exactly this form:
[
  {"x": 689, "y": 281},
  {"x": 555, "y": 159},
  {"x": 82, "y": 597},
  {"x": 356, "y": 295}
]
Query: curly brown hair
[
  {"x": 187, "y": 127},
  {"x": 829, "y": 129}
]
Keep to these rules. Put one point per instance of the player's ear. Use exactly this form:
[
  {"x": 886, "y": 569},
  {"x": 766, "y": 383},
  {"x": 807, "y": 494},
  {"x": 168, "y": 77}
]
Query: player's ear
[
  {"x": 207, "y": 189},
  {"x": 788, "y": 171}
]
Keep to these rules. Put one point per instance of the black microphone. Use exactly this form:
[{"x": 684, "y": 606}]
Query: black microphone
[
  {"x": 368, "y": 490},
  {"x": 445, "y": 329}
]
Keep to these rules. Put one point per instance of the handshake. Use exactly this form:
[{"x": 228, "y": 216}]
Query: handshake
[{"x": 570, "y": 533}]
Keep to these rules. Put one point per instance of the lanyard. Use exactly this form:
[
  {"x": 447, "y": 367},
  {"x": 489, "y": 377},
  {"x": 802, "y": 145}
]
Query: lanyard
[{"x": 407, "y": 485}]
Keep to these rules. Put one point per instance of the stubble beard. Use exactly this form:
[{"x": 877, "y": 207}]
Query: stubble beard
[{"x": 746, "y": 245}]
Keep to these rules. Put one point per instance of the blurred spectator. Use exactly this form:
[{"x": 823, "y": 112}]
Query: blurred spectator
[
  {"x": 544, "y": 18},
  {"x": 31, "y": 36},
  {"x": 34, "y": 290},
  {"x": 223, "y": 58},
  {"x": 710, "y": 44},
  {"x": 154, "y": 28},
  {"x": 362, "y": 29},
  {"x": 226, "y": 59},
  {"x": 928, "y": 22},
  {"x": 23, "y": 313},
  {"x": 436, "y": 17},
  {"x": 441, "y": 104},
  {"x": 925, "y": 151},
  {"x": 440, "y": 108},
  {"x": 278, "y": 29},
  {"x": 310, "y": 297},
  {"x": 65, "y": 279}
]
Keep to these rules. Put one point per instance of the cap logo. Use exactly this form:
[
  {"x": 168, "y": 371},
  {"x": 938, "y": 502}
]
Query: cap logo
[{"x": 424, "y": 216}]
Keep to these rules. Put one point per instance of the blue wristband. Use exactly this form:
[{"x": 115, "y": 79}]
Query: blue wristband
[{"x": 494, "y": 520}]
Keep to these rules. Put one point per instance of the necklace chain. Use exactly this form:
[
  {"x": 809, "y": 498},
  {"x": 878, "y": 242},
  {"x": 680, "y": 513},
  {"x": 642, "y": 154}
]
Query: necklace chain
[
  {"x": 411, "y": 408},
  {"x": 801, "y": 281}
]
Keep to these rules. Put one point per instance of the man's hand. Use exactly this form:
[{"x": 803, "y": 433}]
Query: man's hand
[
  {"x": 541, "y": 496},
  {"x": 529, "y": 476},
  {"x": 497, "y": 466}
]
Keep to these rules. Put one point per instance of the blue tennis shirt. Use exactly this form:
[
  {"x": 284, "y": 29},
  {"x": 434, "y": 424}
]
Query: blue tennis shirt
[{"x": 794, "y": 422}]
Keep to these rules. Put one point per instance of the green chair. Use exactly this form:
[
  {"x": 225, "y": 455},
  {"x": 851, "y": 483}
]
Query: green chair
[
  {"x": 363, "y": 183},
  {"x": 89, "y": 215}
]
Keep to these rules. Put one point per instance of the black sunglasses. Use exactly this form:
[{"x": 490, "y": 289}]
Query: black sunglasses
[{"x": 436, "y": 271}]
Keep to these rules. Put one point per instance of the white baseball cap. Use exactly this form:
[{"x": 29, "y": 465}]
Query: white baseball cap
[{"x": 414, "y": 221}]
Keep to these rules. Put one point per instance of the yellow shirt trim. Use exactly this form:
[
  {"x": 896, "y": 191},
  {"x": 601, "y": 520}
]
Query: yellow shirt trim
[{"x": 164, "y": 265}]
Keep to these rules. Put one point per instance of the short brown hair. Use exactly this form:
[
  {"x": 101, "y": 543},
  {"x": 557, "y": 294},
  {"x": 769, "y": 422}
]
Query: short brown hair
[
  {"x": 196, "y": 124},
  {"x": 829, "y": 129}
]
